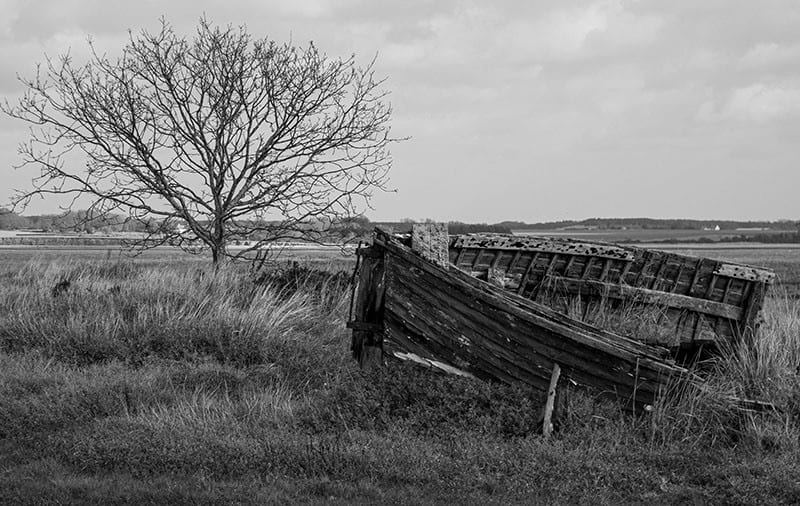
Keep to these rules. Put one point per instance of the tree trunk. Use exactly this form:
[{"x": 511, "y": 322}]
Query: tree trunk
[{"x": 218, "y": 246}]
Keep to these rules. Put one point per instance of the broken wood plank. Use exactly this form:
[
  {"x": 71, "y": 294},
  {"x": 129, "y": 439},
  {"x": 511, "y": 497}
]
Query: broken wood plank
[
  {"x": 545, "y": 245},
  {"x": 367, "y": 314},
  {"x": 547, "y": 424},
  {"x": 745, "y": 272}
]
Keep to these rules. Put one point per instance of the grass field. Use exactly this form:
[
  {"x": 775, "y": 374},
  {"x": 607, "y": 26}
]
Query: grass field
[
  {"x": 653, "y": 234},
  {"x": 159, "y": 380}
]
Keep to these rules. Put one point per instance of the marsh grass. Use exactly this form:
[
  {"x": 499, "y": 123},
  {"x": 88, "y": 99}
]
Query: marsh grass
[
  {"x": 632, "y": 317},
  {"x": 179, "y": 384},
  {"x": 111, "y": 311}
]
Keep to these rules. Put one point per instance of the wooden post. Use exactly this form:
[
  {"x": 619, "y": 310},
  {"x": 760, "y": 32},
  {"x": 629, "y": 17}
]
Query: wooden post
[
  {"x": 547, "y": 424},
  {"x": 432, "y": 242}
]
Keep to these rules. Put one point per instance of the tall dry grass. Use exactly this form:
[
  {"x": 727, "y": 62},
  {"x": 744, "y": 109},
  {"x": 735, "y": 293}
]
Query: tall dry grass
[
  {"x": 85, "y": 313},
  {"x": 765, "y": 369},
  {"x": 196, "y": 380},
  {"x": 710, "y": 412},
  {"x": 291, "y": 324}
]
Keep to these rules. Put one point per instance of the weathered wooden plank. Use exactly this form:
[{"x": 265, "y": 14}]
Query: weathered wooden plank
[
  {"x": 726, "y": 291},
  {"x": 570, "y": 261},
  {"x": 496, "y": 260},
  {"x": 547, "y": 273},
  {"x": 696, "y": 327},
  {"x": 606, "y": 268},
  {"x": 658, "y": 279},
  {"x": 738, "y": 289},
  {"x": 587, "y": 267},
  {"x": 745, "y": 272},
  {"x": 544, "y": 245},
  {"x": 625, "y": 269},
  {"x": 513, "y": 263},
  {"x": 646, "y": 261},
  {"x": 367, "y": 317},
  {"x": 695, "y": 277},
  {"x": 678, "y": 275},
  {"x": 477, "y": 259},
  {"x": 459, "y": 257},
  {"x": 753, "y": 312},
  {"x": 523, "y": 282},
  {"x": 711, "y": 287},
  {"x": 648, "y": 296}
]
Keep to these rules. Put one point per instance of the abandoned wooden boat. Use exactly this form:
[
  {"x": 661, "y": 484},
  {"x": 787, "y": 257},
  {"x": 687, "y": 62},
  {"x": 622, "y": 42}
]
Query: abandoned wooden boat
[{"x": 413, "y": 301}]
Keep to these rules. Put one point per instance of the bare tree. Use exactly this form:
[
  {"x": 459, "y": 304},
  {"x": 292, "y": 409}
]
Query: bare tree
[{"x": 217, "y": 138}]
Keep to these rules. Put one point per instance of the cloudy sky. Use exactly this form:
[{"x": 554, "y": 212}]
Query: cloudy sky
[{"x": 524, "y": 110}]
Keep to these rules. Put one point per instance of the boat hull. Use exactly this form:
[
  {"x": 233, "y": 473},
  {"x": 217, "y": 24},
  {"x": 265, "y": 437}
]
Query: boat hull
[{"x": 448, "y": 319}]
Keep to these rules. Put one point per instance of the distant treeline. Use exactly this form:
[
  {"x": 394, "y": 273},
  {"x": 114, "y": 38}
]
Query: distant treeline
[
  {"x": 73, "y": 221},
  {"x": 360, "y": 226},
  {"x": 653, "y": 224},
  {"x": 53, "y": 240}
]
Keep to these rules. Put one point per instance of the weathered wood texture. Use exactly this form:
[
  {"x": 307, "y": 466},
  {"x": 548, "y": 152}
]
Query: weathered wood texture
[
  {"x": 366, "y": 319},
  {"x": 431, "y": 241},
  {"x": 453, "y": 320},
  {"x": 700, "y": 301}
]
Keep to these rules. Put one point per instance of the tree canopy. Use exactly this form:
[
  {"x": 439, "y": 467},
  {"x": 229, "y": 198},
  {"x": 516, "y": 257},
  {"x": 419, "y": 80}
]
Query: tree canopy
[{"x": 219, "y": 137}]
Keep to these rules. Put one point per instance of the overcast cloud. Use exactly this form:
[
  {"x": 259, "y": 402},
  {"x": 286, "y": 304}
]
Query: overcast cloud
[{"x": 526, "y": 110}]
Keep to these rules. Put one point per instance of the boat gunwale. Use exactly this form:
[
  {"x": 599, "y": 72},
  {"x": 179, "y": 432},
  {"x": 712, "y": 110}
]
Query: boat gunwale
[{"x": 724, "y": 268}]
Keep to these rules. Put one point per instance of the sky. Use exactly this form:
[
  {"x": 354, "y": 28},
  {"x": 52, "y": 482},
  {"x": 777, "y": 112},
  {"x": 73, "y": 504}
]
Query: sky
[{"x": 516, "y": 109}]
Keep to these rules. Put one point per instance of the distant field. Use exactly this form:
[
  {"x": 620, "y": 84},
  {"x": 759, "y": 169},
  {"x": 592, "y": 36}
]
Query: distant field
[
  {"x": 646, "y": 235},
  {"x": 784, "y": 259},
  {"x": 18, "y": 254}
]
